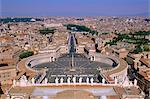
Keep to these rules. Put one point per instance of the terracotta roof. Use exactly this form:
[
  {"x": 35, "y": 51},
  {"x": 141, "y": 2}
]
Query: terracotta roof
[
  {"x": 6, "y": 39},
  {"x": 145, "y": 73},
  {"x": 145, "y": 61}
]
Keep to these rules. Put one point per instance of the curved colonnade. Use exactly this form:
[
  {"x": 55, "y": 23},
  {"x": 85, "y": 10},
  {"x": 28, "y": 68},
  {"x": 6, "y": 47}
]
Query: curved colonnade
[{"x": 119, "y": 72}]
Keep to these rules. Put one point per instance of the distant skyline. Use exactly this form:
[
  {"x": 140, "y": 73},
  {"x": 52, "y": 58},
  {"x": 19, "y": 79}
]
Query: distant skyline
[{"x": 74, "y": 8}]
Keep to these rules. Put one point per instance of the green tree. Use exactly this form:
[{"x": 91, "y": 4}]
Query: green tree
[
  {"x": 47, "y": 31},
  {"x": 81, "y": 28},
  {"x": 138, "y": 50},
  {"x": 142, "y": 34},
  {"x": 26, "y": 54},
  {"x": 146, "y": 48}
]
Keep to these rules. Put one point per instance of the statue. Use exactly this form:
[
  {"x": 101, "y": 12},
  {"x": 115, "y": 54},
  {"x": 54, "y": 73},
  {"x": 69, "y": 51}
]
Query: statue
[
  {"x": 103, "y": 81},
  {"x": 56, "y": 80},
  {"x": 116, "y": 81},
  {"x": 87, "y": 80},
  {"x": 92, "y": 80},
  {"x": 33, "y": 81},
  {"x": 135, "y": 82},
  {"x": 53, "y": 59},
  {"x": 74, "y": 79},
  {"x": 23, "y": 80},
  {"x": 61, "y": 80},
  {"x": 68, "y": 80},
  {"x": 80, "y": 80}
]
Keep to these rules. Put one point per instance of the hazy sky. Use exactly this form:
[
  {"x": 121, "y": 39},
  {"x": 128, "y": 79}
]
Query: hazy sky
[{"x": 74, "y": 7}]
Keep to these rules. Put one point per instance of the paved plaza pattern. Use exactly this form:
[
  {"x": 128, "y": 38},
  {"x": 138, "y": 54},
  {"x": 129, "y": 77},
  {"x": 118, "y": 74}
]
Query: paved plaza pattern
[
  {"x": 73, "y": 65},
  {"x": 83, "y": 68}
]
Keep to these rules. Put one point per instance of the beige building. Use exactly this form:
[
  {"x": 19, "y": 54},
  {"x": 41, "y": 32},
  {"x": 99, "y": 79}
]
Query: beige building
[
  {"x": 7, "y": 74},
  {"x": 8, "y": 60},
  {"x": 141, "y": 63},
  {"x": 74, "y": 92}
]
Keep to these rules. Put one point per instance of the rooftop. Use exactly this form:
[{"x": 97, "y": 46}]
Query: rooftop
[{"x": 74, "y": 91}]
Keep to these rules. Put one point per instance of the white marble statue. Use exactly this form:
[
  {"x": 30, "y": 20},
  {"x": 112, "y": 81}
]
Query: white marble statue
[
  {"x": 135, "y": 82},
  {"x": 87, "y": 80},
  {"x": 33, "y": 81},
  {"x": 23, "y": 81},
  {"x": 68, "y": 80},
  {"x": 53, "y": 59},
  {"x": 61, "y": 80},
  {"x": 116, "y": 81},
  {"x": 103, "y": 81},
  {"x": 56, "y": 80},
  {"x": 74, "y": 79},
  {"x": 92, "y": 80},
  {"x": 80, "y": 80}
]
